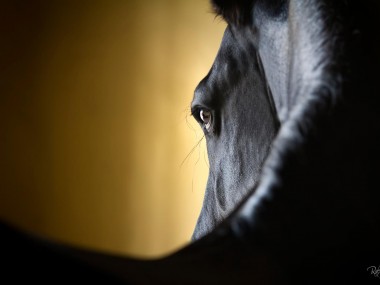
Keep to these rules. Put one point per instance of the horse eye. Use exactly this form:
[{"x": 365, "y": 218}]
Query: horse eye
[{"x": 206, "y": 118}]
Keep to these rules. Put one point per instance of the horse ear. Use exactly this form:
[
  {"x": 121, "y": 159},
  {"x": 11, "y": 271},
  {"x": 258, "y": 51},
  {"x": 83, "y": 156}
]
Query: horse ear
[{"x": 236, "y": 12}]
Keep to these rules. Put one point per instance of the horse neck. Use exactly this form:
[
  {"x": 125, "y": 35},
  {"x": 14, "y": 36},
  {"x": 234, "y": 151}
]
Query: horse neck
[{"x": 295, "y": 53}]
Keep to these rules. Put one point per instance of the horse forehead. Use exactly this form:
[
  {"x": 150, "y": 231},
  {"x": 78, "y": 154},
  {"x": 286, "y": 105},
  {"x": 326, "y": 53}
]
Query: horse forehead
[
  {"x": 227, "y": 70},
  {"x": 227, "y": 53},
  {"x": 238, "y": 44}
]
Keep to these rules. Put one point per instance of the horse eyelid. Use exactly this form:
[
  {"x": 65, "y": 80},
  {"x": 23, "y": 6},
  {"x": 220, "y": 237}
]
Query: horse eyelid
[{"x": 196, "y": 113}]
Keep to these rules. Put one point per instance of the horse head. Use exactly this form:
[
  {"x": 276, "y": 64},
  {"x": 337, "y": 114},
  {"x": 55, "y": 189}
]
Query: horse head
[{"x": 290, "y": 123}]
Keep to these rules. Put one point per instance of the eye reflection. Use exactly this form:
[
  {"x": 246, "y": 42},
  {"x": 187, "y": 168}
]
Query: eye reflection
[{"x": 206, "y": 118}]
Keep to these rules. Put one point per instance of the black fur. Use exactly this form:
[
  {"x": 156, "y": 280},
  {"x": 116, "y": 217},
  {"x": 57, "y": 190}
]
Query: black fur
[{"x": 236, "y": 12}]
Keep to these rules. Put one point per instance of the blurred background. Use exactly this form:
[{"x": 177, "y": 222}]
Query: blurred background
[{"x": 97, "y": 145}]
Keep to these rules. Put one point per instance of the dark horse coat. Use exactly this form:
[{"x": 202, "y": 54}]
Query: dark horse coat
[{"x": 290, "y": 114}]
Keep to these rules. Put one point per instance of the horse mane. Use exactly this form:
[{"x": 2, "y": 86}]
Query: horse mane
[{"x": 237, "y": 12}]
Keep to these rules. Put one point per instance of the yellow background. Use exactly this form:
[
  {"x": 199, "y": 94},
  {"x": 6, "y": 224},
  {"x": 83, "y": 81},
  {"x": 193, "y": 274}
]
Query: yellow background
[{"x": 95, "y": 120}]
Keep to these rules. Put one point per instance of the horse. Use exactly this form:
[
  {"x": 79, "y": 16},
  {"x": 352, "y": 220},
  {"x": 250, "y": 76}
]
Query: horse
[{"x": 290, "y": 115}]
